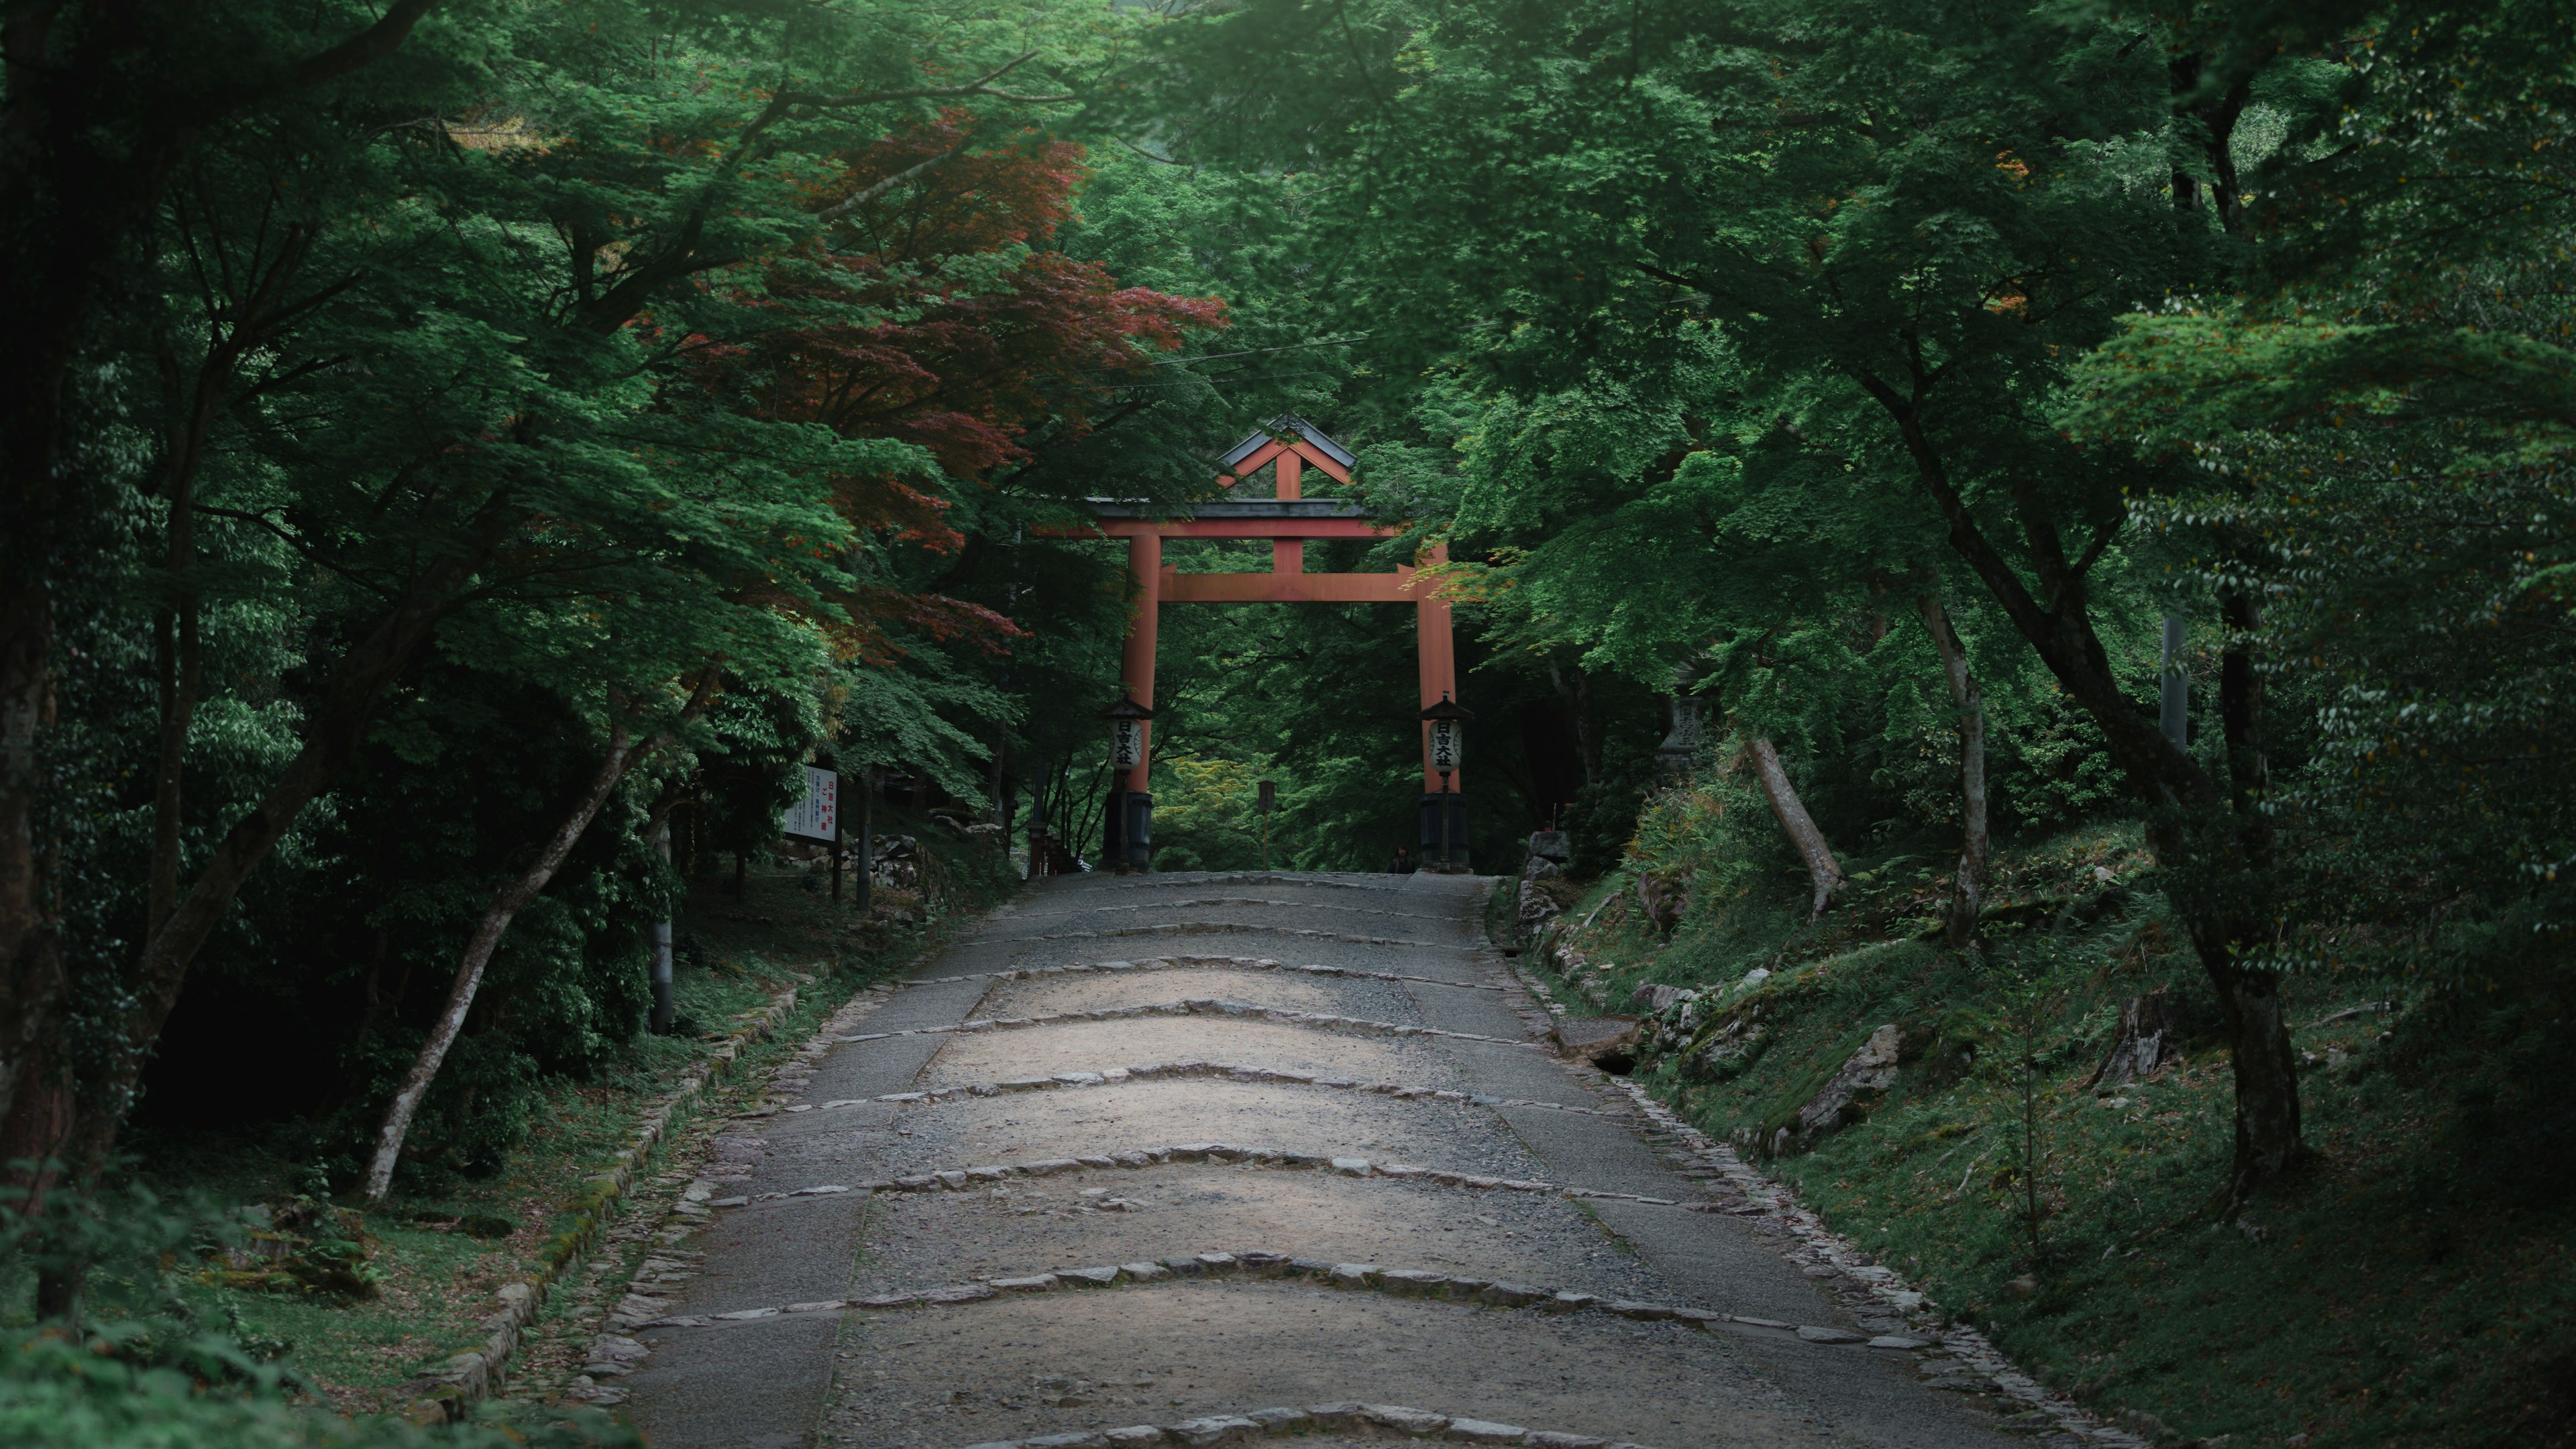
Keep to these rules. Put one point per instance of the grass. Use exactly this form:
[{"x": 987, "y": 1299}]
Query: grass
[
  {"x": 435, "y": 1278},
  {"x": 2410, "y": 1284}
]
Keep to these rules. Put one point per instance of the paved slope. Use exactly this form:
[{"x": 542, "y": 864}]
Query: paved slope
[{"x": 1279, "y": 1152}]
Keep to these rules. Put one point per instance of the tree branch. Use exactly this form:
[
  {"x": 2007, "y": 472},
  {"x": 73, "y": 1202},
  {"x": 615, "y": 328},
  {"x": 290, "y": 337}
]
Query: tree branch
[
  {"x": 873, "y": 190},
  {"x": 982, "y": 87},
  {"x": 2102, "y": 537},
  {"x": 362, "y": 49}
]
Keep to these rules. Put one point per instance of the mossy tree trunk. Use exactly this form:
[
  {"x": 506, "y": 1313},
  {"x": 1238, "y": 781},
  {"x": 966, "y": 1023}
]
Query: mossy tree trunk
[
  {"x": 1967, "y": 897},
  {"x": 1823, "y": 870}
]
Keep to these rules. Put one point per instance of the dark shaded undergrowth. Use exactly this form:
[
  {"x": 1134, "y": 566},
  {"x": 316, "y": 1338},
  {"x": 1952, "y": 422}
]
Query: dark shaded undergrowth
[
  {"x": 241, "y": 1296},
  {"x": 2409, "y": 1284}
]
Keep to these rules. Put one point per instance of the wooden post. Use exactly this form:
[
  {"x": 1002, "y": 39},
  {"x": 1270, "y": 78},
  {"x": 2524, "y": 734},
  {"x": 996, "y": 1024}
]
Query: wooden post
[
  {"x": 866, "y": 863},
  {"x": 1445, "y": 857},
  {"x": 1126, "y": 814},
  {"x": 1436, "y": 661},
  {"x": 1437, "y": 664},
  {"x": 1145, "y": 560},
  {"x": 1288, "y": 555}
]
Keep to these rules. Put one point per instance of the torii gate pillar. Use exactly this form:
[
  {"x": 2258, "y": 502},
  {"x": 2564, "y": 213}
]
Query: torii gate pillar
[
  {"x": 1436, "y": 661},
  {"x": 1128, "y": 837},
  {"x": 1287, "y": 520}
]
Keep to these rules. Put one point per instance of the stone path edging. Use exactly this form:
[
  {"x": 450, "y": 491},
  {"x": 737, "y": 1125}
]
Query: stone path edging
[
  {"x": 1252, "y": 877},
  {"x": 1232, "y": 901},
  {"x": 1197, "y": 1006},
  {"x": 1265, "y": 1264},
  {"x": 467, "y": 1377},
  {"x": 1117, "y": 1076},
  {"x": 961, "y": 1178},
  {"x": 1823, "y": 1248},
  {"x": 614, "y": 1354},
  {"x": 1220, "y": 928},
  {"x": 1195, "y": 963},
  {"x": 1348, "y": 1419}
]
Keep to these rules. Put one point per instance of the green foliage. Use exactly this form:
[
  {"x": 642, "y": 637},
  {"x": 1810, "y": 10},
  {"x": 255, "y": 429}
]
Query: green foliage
[
  {"x": 2400, "y": 1289},
  {"x": 2376, "y": 436},
  {"x": 553, "y": 365},
  {"x": 146, "y": 1372},
  {"x": 1204, "y": 817}
]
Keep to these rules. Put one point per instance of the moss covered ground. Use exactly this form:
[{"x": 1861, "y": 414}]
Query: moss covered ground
[
  {"x": 2409, "y": 1284},
  {"x": 436, "y": 1251}
]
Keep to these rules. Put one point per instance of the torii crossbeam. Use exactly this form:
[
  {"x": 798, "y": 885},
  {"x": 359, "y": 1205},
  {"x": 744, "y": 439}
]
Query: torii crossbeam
[{"x": 1288, "y": 446}]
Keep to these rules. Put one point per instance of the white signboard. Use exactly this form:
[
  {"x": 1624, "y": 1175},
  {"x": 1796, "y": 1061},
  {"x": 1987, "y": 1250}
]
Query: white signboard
[
  {"x": 1127, "y": 743},
  {"x": 818, "y": 815},
  {"x": 1444, "y": 744}
]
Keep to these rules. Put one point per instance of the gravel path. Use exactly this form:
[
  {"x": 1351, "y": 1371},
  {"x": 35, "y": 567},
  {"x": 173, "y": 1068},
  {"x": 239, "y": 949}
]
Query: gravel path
[{"x": 1195, "y": 1160}]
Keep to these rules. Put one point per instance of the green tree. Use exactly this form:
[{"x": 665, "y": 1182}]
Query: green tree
[
  {"x": 2378, "y": 434},
  {"x": 1922, "y": 219}
]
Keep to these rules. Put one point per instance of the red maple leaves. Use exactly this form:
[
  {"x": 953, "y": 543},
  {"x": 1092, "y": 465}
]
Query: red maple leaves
[
  {"x": 935, "y": 313},
  {"x": 932, "y": 310}
]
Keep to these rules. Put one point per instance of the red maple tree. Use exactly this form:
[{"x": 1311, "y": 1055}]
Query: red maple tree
[{"x": 935, "y": 311}]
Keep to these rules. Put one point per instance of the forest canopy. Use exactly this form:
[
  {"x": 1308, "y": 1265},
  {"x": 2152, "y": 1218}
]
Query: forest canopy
[{"x": 462, "y": 461}]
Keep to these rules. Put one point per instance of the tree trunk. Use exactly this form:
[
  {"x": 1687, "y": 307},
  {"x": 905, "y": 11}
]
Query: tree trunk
[
  {"x": 175, "y": 645},
  {"x": 658, "y": 975},
  {"x": 1575, "y": 688},
  {"x": 93, "y": 142},
  {"x": 2268, "y": 1129},
  {"x": 512, "y": 898},
  {"x": 339, "y": 720},
  {"x": 2138, "y": 1047},
  {"x": 866, "y": 897},
  {"x": 260, "y": 317},
  {"x": 506, "y": 905},
  {"x": 1822, "y": 869},
  {"x": 1967, "y": 897},
  {"x": 36, "y": 1136},
  {"x": 76, "y": 1123},
  {"x": 2214, "y": 872},
  {"x": 37, "y": 1147},
  {"x": 31, "y": 963}
]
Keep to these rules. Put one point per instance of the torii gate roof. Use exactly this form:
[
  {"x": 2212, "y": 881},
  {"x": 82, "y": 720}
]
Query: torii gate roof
[
  {"x": 1256, "y": 517},
  {"x": 1280, "y": 429}
]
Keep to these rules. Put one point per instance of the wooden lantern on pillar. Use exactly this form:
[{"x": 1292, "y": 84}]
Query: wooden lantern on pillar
[
  {"x": 1127, "y": 837},
  {"x": 1444, "y": 745}
]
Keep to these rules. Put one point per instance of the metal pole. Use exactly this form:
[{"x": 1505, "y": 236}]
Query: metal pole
[{"x": 2174, "y": 697}]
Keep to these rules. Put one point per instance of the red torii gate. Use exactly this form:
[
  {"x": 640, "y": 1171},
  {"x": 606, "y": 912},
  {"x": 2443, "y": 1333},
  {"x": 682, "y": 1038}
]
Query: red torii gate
[{"x": 1287, "y": 446}]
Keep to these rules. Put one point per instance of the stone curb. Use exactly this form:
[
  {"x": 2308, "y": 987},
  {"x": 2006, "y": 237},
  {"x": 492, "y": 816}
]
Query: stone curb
[
  {"x": 1199, "y": 1006},
  {"x": 1211, "y": 928},
  {"x": 1264, "y": 1264},
  {"x": 1823, "y": 1249},
  {"x": 1233, "y": 901},
  {"x": 1197, "y": 879},
  {"x": 1116, "y": 1076},
  {"x": 615, "y": 1354},
  {"x": 962, "y": 1178},
  {"x": 1186, "y": 963},
  {"x": 1345, "y": 1420},
  {"x": 473, "y": 1375}
]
